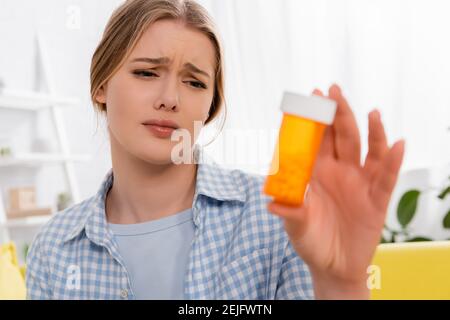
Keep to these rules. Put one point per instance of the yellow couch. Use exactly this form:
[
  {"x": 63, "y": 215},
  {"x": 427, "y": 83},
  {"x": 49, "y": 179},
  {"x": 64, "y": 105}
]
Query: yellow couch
[
  {"x": 413, "y": 270},
  {"x": 12, "y": 276}
]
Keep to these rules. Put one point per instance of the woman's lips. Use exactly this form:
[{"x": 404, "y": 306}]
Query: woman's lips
[
  {"x": 160, "y": 131},
  {"x": 161, "y": 128}
]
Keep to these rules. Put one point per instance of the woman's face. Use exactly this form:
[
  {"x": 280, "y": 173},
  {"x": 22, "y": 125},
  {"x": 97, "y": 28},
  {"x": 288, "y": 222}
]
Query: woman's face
[{"x": 179, "y": 88}]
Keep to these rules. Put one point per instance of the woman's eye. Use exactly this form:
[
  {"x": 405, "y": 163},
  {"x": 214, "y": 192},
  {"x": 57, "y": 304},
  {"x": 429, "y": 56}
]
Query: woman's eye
[
  {"x": 149, "y": 74},
  {"x": 198, "y": 85},
  {"x": 143, "y": 73}
]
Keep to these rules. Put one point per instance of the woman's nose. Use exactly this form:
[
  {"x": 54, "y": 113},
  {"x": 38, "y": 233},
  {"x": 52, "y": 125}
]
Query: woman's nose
[{"x": 168, "y": 99}]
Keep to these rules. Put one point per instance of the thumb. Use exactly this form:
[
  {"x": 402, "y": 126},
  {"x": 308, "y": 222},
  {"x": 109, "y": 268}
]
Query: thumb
[
  {"x": 294, "y": 219},
  {"x": 287, "y": 212}
]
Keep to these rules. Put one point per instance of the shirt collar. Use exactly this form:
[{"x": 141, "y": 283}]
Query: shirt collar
[
  {"x": 216, "y": 182},
  {"x": 94, "y": 220},
  {"x": 212, "y": 181}
]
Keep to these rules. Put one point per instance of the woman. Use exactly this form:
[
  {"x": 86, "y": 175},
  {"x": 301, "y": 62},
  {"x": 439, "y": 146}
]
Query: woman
[{"x": 158, "y": 229}]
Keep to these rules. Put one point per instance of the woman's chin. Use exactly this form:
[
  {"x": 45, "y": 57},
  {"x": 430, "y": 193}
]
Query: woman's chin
[{"x": 158, "y": 156}]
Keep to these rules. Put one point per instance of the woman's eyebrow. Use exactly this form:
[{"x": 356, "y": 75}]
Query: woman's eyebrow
[
  {"x": 194, "y": 69},
  {"x": 160, "y": 61},
  {"x": 165, "y": 61}
]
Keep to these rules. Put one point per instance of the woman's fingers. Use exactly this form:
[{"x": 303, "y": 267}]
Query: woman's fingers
[
  {"x": 347, "y": 138},
  {"x": 294, "y": 217},
  {"x": 284, "y": 211},
  {"x": 386, "y": 176},
  {"x": 327, "y": 146},
  {"x": 377, "y": 143},
  {"x": 317, "y": 92}
]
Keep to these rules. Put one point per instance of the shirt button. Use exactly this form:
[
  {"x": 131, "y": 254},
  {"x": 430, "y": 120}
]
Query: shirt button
[{"x": 124, "y": 293}]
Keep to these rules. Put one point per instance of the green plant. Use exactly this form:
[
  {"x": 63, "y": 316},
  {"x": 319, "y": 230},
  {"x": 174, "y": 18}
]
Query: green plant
[
  {"x": 25, "y": 249},
  {"x": 406, "y": 211},
  {"x": 5, "y": 151},
  {"x": 63, "y": 201}
]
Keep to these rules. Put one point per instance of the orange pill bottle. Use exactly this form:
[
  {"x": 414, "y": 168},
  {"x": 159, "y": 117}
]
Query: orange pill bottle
[{"x": 304, "y": 122}]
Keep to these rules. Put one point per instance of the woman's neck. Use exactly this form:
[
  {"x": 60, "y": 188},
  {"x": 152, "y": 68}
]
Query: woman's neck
[{"x": 143, "y": 192}]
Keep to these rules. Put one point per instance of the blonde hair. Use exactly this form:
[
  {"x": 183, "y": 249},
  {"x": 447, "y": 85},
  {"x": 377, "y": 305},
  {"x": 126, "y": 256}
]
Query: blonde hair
[{"x": 126, "y": 26}]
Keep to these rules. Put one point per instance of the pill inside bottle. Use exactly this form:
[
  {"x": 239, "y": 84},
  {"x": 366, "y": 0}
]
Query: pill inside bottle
[{"x": 302, "y": 129}]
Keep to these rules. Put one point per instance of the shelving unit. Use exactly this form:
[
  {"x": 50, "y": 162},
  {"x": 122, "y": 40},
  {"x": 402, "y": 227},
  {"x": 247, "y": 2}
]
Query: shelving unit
[
  {"x": 26, "y": 101},
  {"x": 25, "y": 222},
  {"x": 32, "y": 101},
  {"x": 39, "y": 159}
]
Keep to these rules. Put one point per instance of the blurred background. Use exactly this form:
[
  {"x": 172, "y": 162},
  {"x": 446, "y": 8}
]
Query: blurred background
[{"x": 390, "y": 55}]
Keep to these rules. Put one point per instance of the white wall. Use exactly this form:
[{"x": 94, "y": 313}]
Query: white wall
[
  {"x": 388, "y": 55},
  {"x": 69, "y": 49}
]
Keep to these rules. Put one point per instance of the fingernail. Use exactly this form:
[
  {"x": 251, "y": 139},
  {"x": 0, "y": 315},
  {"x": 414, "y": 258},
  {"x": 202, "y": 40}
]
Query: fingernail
[
  {"x": 337, "y": 87},
  {"x": 377, "y": 113},
  {"x": 402, "y": 143}
]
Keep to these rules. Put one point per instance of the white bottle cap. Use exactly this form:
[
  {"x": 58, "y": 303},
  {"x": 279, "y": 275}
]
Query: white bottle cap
[{"x": 312, "y": 107}]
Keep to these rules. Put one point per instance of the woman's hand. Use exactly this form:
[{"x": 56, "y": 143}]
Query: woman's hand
[{"x": 338, "y": 227}]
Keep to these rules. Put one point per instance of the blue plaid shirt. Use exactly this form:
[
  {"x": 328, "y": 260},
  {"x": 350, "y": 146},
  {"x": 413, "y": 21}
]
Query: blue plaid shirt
[{"x": 239, "y": 251}]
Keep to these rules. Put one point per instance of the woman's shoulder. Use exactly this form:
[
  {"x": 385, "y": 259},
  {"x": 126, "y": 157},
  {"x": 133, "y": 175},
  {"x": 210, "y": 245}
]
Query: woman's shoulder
[
  {"x": 244, "y": 213},
  {"x": 247, "y": 188},
  {"x": 67, "y": 223},
  {"x": 230, "y": 183},
  {"x": 63, "y": 223},
  {"x": 251, "y": 183}
]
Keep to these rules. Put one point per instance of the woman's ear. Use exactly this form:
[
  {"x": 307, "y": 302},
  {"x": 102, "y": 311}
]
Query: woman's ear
[{"x": 100, "y": 95}]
